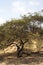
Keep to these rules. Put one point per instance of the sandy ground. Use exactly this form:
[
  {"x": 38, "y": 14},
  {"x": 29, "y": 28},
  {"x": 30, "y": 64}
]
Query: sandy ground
[{"x": 11, "y": 59}]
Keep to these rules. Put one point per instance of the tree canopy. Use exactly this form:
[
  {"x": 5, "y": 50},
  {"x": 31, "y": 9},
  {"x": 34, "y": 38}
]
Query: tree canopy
[{"x": 23, "y": 28}]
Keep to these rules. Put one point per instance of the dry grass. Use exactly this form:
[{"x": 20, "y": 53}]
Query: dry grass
[{"x": 11, "y": 59}]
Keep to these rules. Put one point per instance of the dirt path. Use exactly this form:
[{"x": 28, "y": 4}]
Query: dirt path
[{"x": 11, "y": 59}]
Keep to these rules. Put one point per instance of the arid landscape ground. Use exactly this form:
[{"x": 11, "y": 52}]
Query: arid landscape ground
[{"x": 11, "y": 59}]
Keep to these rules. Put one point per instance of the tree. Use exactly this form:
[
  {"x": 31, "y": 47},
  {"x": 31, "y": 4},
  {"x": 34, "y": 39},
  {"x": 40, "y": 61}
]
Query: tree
[{"x": 20, "y": 48}]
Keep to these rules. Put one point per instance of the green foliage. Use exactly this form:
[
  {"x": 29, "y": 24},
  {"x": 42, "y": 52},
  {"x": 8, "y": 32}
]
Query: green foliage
[{"x": 20, "y": 29}]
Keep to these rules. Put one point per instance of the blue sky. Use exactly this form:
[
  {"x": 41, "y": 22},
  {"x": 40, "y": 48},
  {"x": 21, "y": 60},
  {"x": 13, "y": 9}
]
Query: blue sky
[{"x": 15, "y": 8}]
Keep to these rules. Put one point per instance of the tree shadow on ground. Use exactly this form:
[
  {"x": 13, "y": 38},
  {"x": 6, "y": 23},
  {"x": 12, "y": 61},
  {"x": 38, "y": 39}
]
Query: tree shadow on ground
[{"x": 11, "y": 59}]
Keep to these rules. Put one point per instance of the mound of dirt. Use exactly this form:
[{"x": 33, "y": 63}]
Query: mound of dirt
[{"x": 10, "y": 49}]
